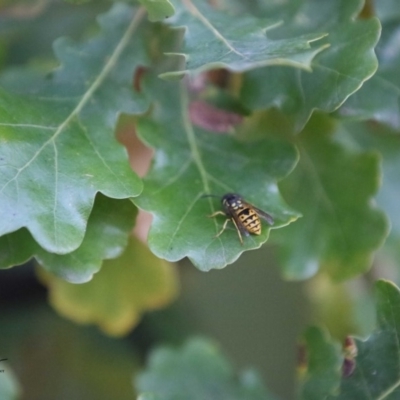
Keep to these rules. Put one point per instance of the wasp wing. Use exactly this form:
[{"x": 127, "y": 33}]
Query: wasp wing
[
  {"x": 239, "y": 225},
  {"x": 265, "y": 216}
]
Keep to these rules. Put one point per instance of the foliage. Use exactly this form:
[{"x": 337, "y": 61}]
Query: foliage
[
  {"x": 376, "y": 374},
  {"x": 114, "y": 299},
  {"x": 70, "y": 116},
  {"x": 199, "y": 371},
  {"x": 294, "y": 105}
]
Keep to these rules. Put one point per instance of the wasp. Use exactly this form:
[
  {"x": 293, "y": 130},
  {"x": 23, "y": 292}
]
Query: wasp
[{"x": 244, "y": 215}]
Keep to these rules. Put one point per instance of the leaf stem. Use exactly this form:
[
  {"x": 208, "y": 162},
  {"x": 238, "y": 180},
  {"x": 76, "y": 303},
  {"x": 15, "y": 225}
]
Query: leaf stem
[{"x": 192, "y": 139}]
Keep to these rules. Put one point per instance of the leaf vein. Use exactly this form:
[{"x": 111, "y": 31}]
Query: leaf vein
[
  {"x": 196, "y": 13},
  {"x": 100, "y": 157},
  {"x": 187, "y": 212},
  {"x": 27, "y": 126},
  {"x": 55, "y": 192},
  {"x": 180, "y": 172},
  {"x": 219, "y": 183},
  {"x": 191, "y": 138},
  {"x": 322, "y": 194}
]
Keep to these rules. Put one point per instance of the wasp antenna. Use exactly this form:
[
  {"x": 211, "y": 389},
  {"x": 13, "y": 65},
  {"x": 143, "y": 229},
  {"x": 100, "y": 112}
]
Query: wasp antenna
[{"x": 210, "y": 195}]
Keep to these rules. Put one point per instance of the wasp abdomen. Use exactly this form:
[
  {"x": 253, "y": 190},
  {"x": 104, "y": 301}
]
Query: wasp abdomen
[{"x": 250, "y": 220}]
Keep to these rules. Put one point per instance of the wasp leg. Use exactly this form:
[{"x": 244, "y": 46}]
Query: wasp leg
[
  {"x": 238, "y": 231},
  {"x": 223, "y": 228},
  {"x": 216, "y": 213}
]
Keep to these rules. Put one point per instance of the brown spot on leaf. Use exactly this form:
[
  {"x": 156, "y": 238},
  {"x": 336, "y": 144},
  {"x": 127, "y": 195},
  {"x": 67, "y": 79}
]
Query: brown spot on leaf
[
  {"x": 137, "y": 78},
  {"x": 211, "y": 118}
]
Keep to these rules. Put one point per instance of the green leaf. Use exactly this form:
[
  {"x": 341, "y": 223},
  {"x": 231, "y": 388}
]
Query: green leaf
[
  {"x": 158, "y": 9},
  {"x": 334, "y": 306},
  {"x": 106, "y": 237},
  {"x": 377, "y": 371},
  {"x": 28, "y": 28},
  {"x": 9, "y": 387},
  {"x": 389, "y": 147},
  {"x": 116, "y": 297},
  {"x": 197, "y": 372},
  {"x": 57, "y": 146},
  {"x": 379, "y": 98},
  {"x": 324, "y": 365},
  {"x": 216, "y": 39},
  {"x": 380, "y": 138},
  {"x": 333, "y": 188},
  {"x": 336, "y": 73},
  {"x": 189, "y": 163}
]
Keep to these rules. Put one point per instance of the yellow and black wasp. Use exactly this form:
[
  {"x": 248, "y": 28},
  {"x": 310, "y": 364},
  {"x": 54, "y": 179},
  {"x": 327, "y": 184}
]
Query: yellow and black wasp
[{"x": 244, "y": 216}]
